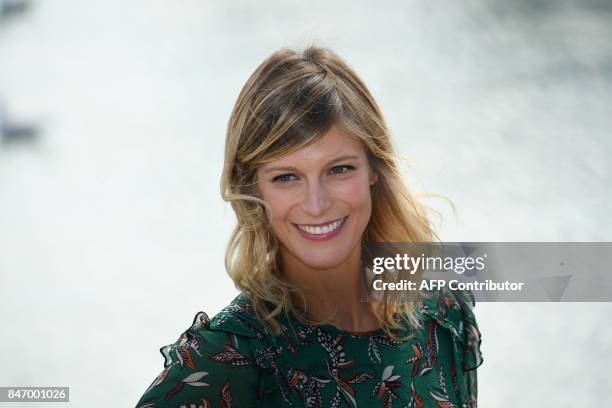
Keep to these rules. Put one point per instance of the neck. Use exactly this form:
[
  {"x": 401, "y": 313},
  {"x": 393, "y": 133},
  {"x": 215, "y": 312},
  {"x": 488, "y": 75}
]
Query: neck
[{"x": 332, "y": 295}]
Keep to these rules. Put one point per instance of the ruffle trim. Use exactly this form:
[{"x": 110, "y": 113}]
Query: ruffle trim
[
  {"x": 234, "y": 319},
  {"x": 201, "y": 321},
  {"x": 453, "y": 310}
]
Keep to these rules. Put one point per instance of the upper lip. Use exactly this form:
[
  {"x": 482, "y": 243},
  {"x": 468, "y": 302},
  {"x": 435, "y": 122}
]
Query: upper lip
[{"x": 324, "y": 223}]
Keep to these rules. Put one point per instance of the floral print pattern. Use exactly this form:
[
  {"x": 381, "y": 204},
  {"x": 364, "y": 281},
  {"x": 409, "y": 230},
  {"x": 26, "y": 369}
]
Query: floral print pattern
[{"x": 232, "y": 360}]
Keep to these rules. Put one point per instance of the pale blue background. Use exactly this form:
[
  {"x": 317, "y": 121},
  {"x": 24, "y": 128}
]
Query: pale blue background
[{"x": 112, "y": 230}]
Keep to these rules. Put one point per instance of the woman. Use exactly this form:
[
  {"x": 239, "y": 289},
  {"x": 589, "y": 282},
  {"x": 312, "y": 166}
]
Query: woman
[{"x": 311, "y": 174}]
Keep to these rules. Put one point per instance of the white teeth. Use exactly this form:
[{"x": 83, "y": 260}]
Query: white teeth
[{"x": 321, "y": 230}]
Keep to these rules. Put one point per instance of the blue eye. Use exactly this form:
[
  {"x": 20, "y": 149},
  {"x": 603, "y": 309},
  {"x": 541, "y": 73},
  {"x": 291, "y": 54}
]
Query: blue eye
[
  {"x": 349, "y": 168},
  {"x": 281, "y": 178},
  {"x": 284, "y": 178}
]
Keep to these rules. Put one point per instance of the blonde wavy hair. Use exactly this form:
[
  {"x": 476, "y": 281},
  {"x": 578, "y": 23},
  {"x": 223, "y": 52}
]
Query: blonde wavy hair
[{"x": 290, "y": 101}]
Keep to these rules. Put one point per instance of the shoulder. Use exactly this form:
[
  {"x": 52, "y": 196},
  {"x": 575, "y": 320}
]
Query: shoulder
[
  {"x": 238, "y": 318},
  {"x": 229, "y": 330},
  {"x": 206, "y": 361},
  {"x": 223, "y": 339}
]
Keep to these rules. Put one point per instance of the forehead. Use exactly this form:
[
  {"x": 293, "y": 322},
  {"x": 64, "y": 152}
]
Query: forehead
[{"x": 334, "y": 143}]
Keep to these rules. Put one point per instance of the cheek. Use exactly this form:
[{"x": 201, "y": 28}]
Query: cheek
[
  {"x": 279, "y": 203},
  {"x": 357, "y": 194}
]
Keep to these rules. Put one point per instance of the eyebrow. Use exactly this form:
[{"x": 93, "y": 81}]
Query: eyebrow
[{"x": 284, "y": 168}]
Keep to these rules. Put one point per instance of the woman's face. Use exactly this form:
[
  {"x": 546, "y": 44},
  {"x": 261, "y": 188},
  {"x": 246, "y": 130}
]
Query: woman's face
[{"x": 320, "y": 199}]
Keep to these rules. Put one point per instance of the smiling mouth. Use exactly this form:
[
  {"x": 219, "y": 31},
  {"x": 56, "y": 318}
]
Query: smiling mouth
[{"x": 322, "y": 229}]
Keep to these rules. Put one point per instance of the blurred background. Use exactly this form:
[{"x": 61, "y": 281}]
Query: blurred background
[{"x": 112, "y": 124}]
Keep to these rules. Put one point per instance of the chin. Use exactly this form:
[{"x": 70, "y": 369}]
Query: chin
[
  {"x": 323, "y": 264},
  {"x": 325, "y": 258}
]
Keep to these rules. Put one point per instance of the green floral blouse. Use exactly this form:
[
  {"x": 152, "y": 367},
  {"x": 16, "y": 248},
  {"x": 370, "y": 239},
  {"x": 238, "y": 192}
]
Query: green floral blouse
[{"x": 232, "y": 360}]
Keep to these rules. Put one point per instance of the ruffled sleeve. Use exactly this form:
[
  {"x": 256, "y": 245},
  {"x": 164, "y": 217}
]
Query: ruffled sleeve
[
  {"x": 454, "y": 310},
  {"x": 207, "y": 366}
]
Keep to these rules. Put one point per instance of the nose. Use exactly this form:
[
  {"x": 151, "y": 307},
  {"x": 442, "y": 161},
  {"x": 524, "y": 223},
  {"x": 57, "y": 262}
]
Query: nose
[{"x": 317, "y": 199}]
